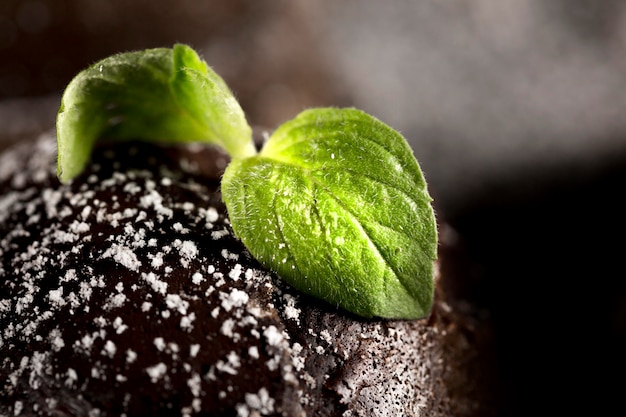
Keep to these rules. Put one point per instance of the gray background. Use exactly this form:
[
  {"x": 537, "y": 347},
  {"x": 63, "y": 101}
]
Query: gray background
[{"x": 495, "y": 96}]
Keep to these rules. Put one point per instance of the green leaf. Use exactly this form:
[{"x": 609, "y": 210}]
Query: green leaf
[
  {"x": 162, "y": 94},
  {"x": 337, "y": 205}
]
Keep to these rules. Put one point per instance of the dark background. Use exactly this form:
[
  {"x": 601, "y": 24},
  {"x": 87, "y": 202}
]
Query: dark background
[{"x": 516, "y": 110}]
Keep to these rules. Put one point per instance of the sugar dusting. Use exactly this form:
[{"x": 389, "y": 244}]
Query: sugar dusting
[{"x": 131, "y": 286}]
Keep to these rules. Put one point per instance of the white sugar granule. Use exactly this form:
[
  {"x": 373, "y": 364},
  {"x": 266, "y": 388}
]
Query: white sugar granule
[
  {"x": 291, "y": 311},
  {"x": 70, "y": 275},
  {"x": 227, "y": 329},
  {"x": 109, "y": 349},
  {"x": 218, "y": 234},
  {"x": 115, "y": 301},
  {"x": 197, "y": 278},
  {"x": 326, "y": 336},
  {"x": 212, "y": 215},
  {"x": 229, "y": 255},
  {"x": 156, "y": 284},
  {"x": 175, "y": 302},
  {"x": 159, "y": 343},
  {"x": 195, "y": 384},
  {"x": 131, "y": 356},
  {"x": 79, "y": 227},
  {"x": 56, "y": 297},
  {"x": 273, "y": 335},
  {"x": 194, "y": 349},
  {"x": 123, "y": 255},
  {"x": 56, "y": 340},
  {"x": 157, "y": 261},
  {"x": 261, "y": 402},
  {"x": 253, "y": 351},
  {"x": 157, "y": 371},
  {"x": 72, "y": 377},
  {"x": 188, "y": 250},
  {"x": 231, "y": 364},
  {"x": 236, "y": 298},
  {"x": 235, "y": 273},
  {"x": 186, "y": 322},
  {"x": 119, "y": 325}
]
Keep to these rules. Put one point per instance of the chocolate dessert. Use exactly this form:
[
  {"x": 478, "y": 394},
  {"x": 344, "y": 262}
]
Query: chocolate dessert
[{"x": 125, "y": 292}]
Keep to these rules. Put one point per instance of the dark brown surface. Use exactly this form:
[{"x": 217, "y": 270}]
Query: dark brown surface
[{"x": 92, "y": 318}]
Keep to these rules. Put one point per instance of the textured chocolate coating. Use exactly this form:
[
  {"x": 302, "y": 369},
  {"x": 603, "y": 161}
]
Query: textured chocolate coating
[{"x": 125, "y": 292}]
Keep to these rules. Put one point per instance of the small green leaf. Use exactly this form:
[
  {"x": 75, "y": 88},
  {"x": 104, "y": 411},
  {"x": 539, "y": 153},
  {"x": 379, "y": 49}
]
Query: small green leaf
[
  {"x": 162, "y": 94},
  {"x": 337, "y": 205}
]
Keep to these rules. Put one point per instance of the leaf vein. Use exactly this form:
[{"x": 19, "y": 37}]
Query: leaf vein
[
  {"x": 279, "y": 228},
  {"x": 355, "y": 173},
  {"x": 361, "y": 229}
]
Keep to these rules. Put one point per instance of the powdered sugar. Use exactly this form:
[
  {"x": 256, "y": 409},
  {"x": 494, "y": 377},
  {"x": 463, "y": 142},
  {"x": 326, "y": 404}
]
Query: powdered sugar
[
  {"x": 123, "y": 255},
  {"x": 135, "y": 284}
]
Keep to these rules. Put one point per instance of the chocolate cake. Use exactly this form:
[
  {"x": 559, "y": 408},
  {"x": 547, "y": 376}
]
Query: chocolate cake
[{"x": 125, "y": 293}]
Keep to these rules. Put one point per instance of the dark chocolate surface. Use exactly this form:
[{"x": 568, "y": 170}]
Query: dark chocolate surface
[{"x": 125, "y": 292}]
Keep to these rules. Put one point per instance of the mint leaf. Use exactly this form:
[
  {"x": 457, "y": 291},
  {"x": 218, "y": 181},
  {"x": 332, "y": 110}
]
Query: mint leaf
[
  {"x": 337, "y": 205},
  {"x": 162, "y": 94},
  {"x": 335, "y": 202}
]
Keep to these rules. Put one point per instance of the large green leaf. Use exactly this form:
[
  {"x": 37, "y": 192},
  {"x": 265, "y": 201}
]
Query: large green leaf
[{"x": 337, "y": 205}]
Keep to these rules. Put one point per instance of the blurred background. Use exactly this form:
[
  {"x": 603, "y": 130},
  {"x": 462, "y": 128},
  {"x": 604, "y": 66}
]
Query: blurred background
[{"x": 514, "y": 108}]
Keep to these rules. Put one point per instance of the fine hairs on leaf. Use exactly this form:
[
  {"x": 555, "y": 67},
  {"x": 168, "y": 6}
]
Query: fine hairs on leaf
[{"x": 335, "y": 202}]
